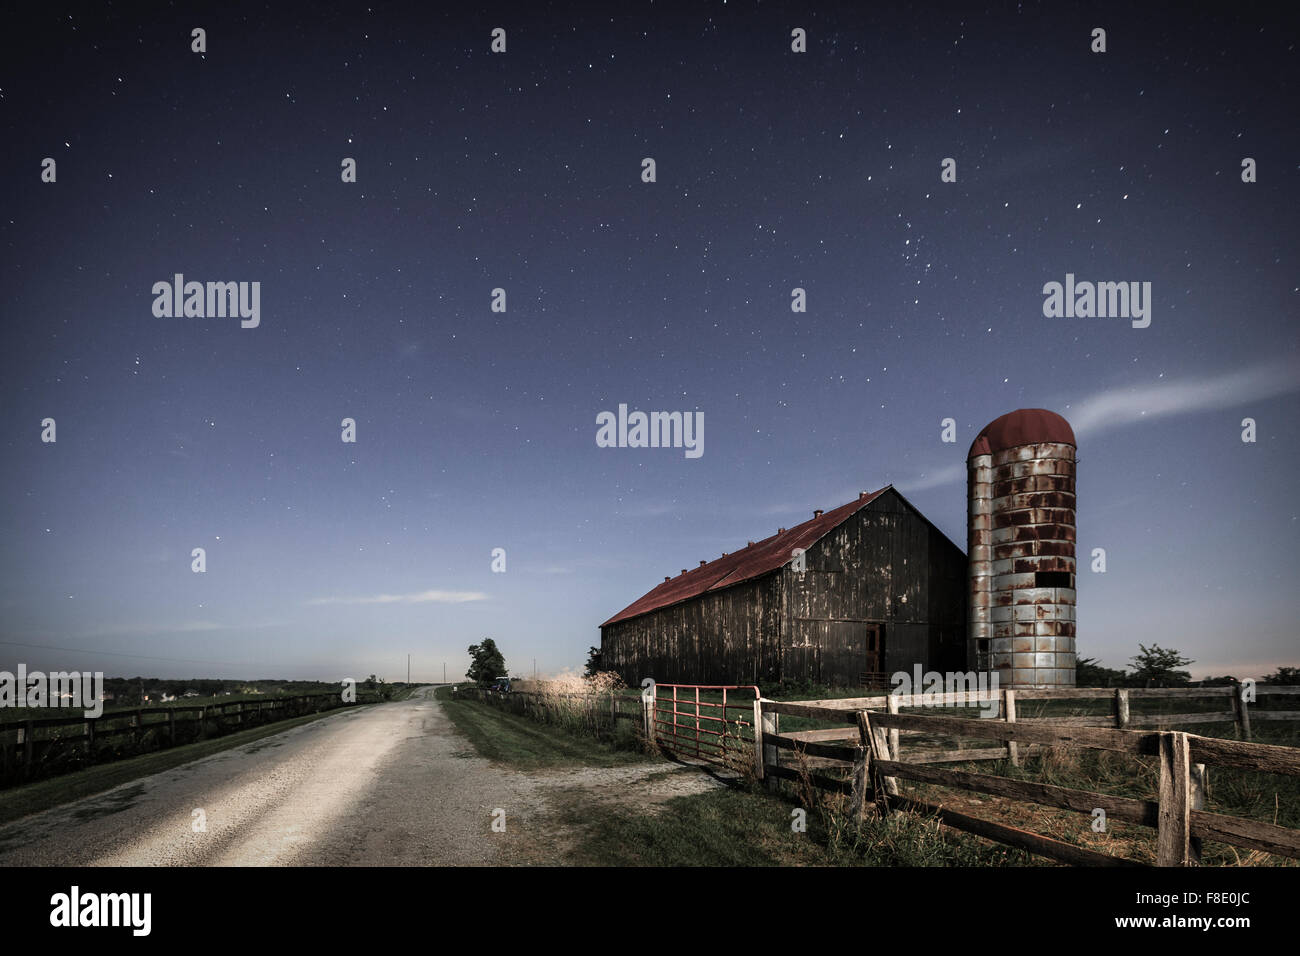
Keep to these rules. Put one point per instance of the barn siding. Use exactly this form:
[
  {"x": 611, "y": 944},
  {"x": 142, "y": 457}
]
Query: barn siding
[
  {"x": 723, "y": 637},
  {"x": 885, "y": 565}
]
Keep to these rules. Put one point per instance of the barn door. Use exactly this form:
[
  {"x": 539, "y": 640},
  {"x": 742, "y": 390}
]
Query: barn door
[{"x": 874, "y": 673}]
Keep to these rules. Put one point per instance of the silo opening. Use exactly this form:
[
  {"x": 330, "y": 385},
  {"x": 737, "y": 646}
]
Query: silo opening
[{"x": 1053, "y": 579}]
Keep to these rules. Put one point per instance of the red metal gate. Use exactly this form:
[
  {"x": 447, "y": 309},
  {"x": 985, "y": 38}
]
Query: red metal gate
[{"x": 701, "y": 720}]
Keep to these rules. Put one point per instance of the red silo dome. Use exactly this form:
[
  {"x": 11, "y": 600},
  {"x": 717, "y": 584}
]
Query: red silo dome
[{"x": 1024, "y": 426}]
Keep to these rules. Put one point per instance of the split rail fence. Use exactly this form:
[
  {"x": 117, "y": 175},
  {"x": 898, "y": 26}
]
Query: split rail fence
[
  {"x": 33, "y": 743},
  {"x": 875, "y": 762}
]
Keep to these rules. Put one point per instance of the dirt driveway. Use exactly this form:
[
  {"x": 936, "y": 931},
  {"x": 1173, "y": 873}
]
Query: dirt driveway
[{"x": 393, "y": 784}]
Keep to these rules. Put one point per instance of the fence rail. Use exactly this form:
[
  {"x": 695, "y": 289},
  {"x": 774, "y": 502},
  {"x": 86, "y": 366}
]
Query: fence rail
[
  {"x": 1177, "y": 814},
  {"x": 27, "y": 744}
]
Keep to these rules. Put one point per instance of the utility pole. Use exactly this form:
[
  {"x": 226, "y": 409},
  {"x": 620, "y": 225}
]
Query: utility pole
[
  {"x": 408, "y": 669},
  {"x": 444, "y": 672}
]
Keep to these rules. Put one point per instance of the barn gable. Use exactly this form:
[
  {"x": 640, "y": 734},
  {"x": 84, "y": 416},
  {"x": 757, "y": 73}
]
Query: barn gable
[{"x": 755, "y": 560}]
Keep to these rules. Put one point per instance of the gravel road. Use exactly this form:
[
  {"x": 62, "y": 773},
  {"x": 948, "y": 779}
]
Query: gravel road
[{"x": 389, "y": 784}]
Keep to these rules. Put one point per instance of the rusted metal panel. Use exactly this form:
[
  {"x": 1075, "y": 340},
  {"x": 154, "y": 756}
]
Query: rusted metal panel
[
  {"x": 753, "y": 561},
  {"x": 1027, "y": 516}
]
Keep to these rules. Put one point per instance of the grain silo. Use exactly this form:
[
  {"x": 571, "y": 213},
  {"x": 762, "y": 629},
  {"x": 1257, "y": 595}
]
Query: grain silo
[{"x": 1021, "y": 537}]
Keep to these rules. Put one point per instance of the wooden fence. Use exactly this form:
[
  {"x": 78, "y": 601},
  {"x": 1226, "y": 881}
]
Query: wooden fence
[
  {"x": 25, "y": 745},
  {"x": 1236, "y": 711},
  {"x": 876, "y": 764},
  {"x": 599, "y": 711}
]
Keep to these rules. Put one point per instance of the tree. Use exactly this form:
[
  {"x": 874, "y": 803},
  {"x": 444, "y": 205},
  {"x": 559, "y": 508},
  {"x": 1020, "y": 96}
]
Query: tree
[
  {"x": 1089, "y": 673},
  {"x": 485, "y": 661},
  {"x": 1158, "y": 666},
  {"x": 593, "y": 662},
  {"x": 1284, "y": 675}
]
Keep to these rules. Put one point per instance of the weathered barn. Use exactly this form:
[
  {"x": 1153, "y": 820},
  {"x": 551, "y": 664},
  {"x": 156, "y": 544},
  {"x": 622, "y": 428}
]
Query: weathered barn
[{"x": 880, "y": 590}]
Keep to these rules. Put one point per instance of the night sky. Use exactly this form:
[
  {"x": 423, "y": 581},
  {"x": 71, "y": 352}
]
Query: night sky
[{"x": 476, "y": 429}]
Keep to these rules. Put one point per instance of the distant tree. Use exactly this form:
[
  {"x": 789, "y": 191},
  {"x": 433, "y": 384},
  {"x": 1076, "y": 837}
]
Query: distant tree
[
  {"x": 485, "y": 661},
  {"x": 1156, "y": 666},
  {"x": 593, "y": 662},
  {"x": 1283, "y": 675},
  {"x": 1089, "y": 673},
  {"x": 370, "y": 682}
]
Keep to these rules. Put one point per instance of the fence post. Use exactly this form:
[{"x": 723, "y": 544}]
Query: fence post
[
  {"x": 891, "y": 704},
  {"x": 771, "y": 756},
  {"x": 27, "y": 737},
  {"x": 875, "y": 738},
  {"x": 1009, "y": 710},
  {"x": 1200, "y": 789},
  {"x": 648, "y": 715},
  {"x": 758, "y": 738},
  {"x": 858, "y": 804},
  {"x": 1242, "y": 712},
  {"x": 860, "y": 778},
  {"x": 1173, "y": 837},
  {"x": 171, "y": 727},
  {"x": 1121, "y": 708}
]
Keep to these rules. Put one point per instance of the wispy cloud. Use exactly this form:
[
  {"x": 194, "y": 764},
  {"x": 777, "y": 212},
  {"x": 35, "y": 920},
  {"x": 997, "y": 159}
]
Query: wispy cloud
[
  {"x": 1127, "y": 406},
  {"x": 934, "y": 478},
  {"x": 1118, "y": 407},
  {"x": 421, "y": 597}
]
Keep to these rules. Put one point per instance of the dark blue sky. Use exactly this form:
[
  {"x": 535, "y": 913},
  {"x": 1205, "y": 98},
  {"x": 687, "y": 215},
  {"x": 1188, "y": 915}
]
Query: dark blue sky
[{"x": 476, "y": 430}]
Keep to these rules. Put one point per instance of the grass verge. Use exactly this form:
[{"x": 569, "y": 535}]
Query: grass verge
[
  {"x": 521, "y": 743},
  {"x": 745, "y": 825}
]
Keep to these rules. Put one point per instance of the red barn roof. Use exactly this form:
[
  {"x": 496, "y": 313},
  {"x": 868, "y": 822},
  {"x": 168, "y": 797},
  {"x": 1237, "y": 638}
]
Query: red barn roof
[
  {"x": 751, "y": 562},
  {"x": 1025, "y": 426}
]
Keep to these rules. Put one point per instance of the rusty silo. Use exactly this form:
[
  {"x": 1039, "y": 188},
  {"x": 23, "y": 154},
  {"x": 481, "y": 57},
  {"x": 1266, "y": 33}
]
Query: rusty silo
[{"x": 1021, "y": 549}]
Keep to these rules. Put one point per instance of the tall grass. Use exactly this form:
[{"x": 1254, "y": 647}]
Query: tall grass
[
  {"x": 597, "y": 706},
  {"x": 894, "y": 838}
]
